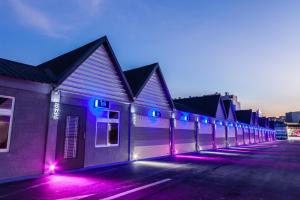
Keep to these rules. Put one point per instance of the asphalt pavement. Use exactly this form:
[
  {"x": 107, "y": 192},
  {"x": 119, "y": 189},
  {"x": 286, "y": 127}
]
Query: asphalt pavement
[{"x": 264, "y": 171}]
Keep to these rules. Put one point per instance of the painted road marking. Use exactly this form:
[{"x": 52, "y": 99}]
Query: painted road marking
[
  {"x": 77, "y": 197},
  {"x": 136, "y": 189}
]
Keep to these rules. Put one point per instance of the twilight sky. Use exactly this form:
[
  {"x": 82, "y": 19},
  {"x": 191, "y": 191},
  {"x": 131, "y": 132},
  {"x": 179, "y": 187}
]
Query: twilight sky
[{"x": 250, "y": 48}]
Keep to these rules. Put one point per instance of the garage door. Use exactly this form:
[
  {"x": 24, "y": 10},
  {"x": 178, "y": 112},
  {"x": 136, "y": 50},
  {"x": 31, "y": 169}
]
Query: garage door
[
  {"x": 252, "y": 135},
  {"x": 246, "y": 135},
  {"x": 184, "y": 136},
  {"x": 220, "y": 136},
  {"x": 231, "y": 138},
  {"x": 240, "y": 136},
  {"x": 151, "y": 137},
  {"x": 205, "y": 136}
]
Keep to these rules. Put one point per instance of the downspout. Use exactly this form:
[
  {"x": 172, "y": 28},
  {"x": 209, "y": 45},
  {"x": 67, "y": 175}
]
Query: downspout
[
  {"x": 236, "y": 134},
  {"x": 129, "y": 132},
  {"x": 214, "y": 134},
  {"x": 197, "y": 134},
  {"x": 171, "y": 135},
  {"x": 226, "y": 134},
  {"x": 244, "y": 134}
]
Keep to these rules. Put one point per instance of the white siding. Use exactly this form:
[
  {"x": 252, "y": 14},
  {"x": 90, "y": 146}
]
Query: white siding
[
  {"x": 184, "y": 125},
  {"x": 230, "y": 115},
  {"x": 150, "y": 122},
  {"x": 96, "y": 76},
  {"x": 220, "y": 113},
  {"x": 153, "y": 94}
]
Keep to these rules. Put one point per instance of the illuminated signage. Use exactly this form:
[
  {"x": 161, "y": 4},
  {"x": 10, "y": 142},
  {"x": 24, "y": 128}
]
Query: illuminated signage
[
  {"x": 156, "y": 113},
  {"x": 56, "y": 110},
  {"x": 101, "y": 103}
]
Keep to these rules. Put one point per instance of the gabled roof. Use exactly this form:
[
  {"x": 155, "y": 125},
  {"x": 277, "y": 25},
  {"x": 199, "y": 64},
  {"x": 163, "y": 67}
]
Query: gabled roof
[
  {"x": 229, "y": 106},
  {"x": 183, "y": 107},
  {"x": 263, "y": 121},
  {"x": 18, "y": 70},
  {"x": 55, "y": 71},
  {"x": 254, "y": 118},
  {"x": 244, "y": 116},
  {"x": 62, "y": 66},
  {"x": 204, "y": 105},
  {"x": 138, "y": 78}
]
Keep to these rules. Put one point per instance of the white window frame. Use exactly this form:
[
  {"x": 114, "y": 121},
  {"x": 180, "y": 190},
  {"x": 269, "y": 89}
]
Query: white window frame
[
  {"x": 10, "y": 113},
  {"x": 107, "y": 120}
]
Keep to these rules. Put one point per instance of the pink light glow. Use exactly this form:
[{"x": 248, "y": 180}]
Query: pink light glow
[{"x": 52, "y": 168}]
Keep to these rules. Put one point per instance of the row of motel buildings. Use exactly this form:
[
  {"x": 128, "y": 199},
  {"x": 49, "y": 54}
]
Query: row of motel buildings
[{"x": 80, "y": 110}]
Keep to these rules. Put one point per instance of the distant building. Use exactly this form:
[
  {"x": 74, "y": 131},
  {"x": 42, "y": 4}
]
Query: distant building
[
  {"x": 293, "y": 129},
  {"x": 281, "y": 130},
  {"x": 233, "y": 98},
  {"x": 292, "y": 117}
]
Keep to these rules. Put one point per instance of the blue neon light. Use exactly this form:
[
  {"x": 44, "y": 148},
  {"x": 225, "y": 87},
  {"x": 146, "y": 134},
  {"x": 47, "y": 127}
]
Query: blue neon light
[
  {"x": 184, "y": 117},
  {"x": 205, "y": 121},
  {"x": 154, "y": 113}
]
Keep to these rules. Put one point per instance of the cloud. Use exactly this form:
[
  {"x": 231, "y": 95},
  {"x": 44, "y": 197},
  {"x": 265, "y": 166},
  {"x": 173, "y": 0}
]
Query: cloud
[
  {"x": 92, "y": 6},
  {"x": 34, "y": 18}
]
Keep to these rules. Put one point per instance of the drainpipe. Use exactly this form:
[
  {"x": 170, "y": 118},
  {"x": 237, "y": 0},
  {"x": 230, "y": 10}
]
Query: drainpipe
[
  {"x": 172, "y": 122},
  {"x": 129, "y": 132},
  {"x": 197, "y": 134},
  {"x": 214, "y": 134},
  {"x": 243, "y": 134},
  {"x": 236, "y": 134},
  {"x": 226, "y": 134}
]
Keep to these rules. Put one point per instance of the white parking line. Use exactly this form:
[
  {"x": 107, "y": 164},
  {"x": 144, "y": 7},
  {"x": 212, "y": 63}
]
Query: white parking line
[{"x": 136, "y": 189}]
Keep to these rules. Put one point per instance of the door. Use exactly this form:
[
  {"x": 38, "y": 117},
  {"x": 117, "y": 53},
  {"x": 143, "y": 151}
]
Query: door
[{"x": 70, "y": 137}]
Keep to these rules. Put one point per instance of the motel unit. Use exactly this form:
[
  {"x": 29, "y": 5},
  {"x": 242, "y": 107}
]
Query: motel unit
[
  {"x": 90, "y": 108},
  {"x": 186, "y": 123},
  {"x": 245, "y": 117},
  {"x": 24, "y": 108},
  {"x": 231, "y": 137},
  {"x": 151, "y": 111},
  {"x": 212, "y": 129}
]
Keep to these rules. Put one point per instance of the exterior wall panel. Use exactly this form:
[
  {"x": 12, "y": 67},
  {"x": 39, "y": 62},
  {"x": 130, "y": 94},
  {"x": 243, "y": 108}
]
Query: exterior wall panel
[
  {"x": 184, "y": 136},
  {"x": 28, "y": 135},
  {"x": 150, "y": 135},
  {"x": 252, "y": 135},
  {"x": 108, "y": 154},
  {"x": 231, "y": 138},
  {"x": 246, "y": 135},
  {"x": 240, "y": 136},
  {"x": 205, "y": 136},
  {"x": 220, "y": 136}
]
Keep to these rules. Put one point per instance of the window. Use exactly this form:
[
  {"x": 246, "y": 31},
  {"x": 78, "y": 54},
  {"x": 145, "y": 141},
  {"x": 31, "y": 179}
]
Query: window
[
  {"x": 107, "y": 129},
  {"x": 71, "y": 136},
  {"x": 6, "y": 114}
]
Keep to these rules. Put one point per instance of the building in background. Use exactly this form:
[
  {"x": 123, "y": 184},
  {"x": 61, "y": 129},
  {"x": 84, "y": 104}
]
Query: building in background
[
  {"x": 234, "y": 99},
  {"x": 280, "y": 129},
  {"x": 292, "y": 117}
]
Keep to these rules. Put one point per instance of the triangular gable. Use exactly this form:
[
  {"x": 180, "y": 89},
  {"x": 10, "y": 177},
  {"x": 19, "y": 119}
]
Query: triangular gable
[
  {"x": 220, "y": 112},
  {"x": 154, "y": 92},
  {"x": 99, "y": 75},
  {"x": 231, "y": 114}
]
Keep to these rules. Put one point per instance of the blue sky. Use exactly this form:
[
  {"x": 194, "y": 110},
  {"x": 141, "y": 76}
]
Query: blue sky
[{"x": 246, "y": 47}]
